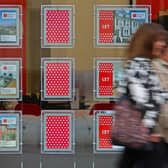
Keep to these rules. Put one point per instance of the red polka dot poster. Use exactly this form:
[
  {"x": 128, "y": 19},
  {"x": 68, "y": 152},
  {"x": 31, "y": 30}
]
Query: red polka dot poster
[
  {"x": 57, "y": 26},
  {"x": 58, "y": 131},
  {"x": 58, "y": 79}
]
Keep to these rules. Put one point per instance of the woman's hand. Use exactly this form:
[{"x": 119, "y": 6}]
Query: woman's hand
[{"x": 155, "y": 137}]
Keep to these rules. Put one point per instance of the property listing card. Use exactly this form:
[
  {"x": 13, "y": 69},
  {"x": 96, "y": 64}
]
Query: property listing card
[
  {"x": 114, "y": 26},
  {"x": 104, "y": 121},
  {"x": 10, "y": 131},
  {"x": 103, "y": 128},
  {"x": 10, "y": 79},
  {"x": 108, "y": 72},
  {"x": 10, "y": 26}
]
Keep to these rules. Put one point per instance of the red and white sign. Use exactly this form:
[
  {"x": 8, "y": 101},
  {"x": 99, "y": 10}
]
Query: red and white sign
[
  {"x": 8, "y": 68},
  {"x": 8, "y": 15},
  {"x": 58, "y": 132},
  {"x": 7, "y": 121},
  {"x": 105, "y": 131},
  {"x": 105, "y": 26},
  {"x": 138, "y": 15},
  {"x": 57, "y": 26},
  {"x": 58, "y": 79},
  {"x": 105, "y": 86}
]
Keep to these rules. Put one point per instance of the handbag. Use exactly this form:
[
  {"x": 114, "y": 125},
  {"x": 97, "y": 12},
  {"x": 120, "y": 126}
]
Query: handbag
[{"x": 128, "y": 128}]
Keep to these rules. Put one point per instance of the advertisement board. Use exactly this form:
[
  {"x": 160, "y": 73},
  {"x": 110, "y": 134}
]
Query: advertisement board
[
  {"x": 10, "y": 132},
  {"x": 10, "y": 26},
  {"x": 108, "y": 72},
  {"x": 57, "y": 132},
  {"x": 58, "y": 78},
  {"x": 104, "y": 121},
  {"x": 57, "y": 23},
  {"x": 10, "y": 79},
  {"x": 114, "y": 26}
]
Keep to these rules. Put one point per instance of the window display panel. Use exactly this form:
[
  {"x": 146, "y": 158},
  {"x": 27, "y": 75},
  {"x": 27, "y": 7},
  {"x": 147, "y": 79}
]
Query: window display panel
[
  {"x": 57, "y": 132},
  {"x": 58, "y": 79},
  {"x": 10, "y": 132},
  {"x": 103, "y": 132},
  {"x": 108, "y": 72},
  {"x": 10, "y": 26},
  {"x": 57, "y": 26},
  {"x": 10, "y": 79},
  {"x": 114, "y": 25}
]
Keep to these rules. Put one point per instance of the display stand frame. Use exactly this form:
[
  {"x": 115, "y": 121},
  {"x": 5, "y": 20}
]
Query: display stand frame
[
  {"x": 58, "y": 113},
  {"x": 18, "y": 115},
  {"x": 96, "y": 149},
  {"x": 118, "y": 61},
  {"x": 71, "y": 90},
  {"x": 19, "y": 27},
  {"x": 18, "y": 63},
  {"x": 71, "y": 43},
  {"x": 99, "y": 7}
]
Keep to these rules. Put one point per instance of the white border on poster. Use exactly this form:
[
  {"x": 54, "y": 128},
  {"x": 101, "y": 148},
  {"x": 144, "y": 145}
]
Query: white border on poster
[
  {"x": 71, "y": 61},
  {"x": 69, "y": 113},
  {"x": 18, "y": 63},
  {"x": 96, "y": 149},
  {"x": 147, "y": 8},
  {"x": 96, "y": 95},
  {"x": 71, "y": 8},
  {"x": 19, "y": 26},
  {"x": 18, "y": 115}
]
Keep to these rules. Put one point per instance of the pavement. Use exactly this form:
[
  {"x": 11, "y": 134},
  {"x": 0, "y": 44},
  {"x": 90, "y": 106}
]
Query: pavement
[{"x": 83, "y": 158}]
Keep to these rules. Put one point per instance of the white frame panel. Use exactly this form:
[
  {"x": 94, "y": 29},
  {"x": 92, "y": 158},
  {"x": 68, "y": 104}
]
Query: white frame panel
[
  {"x": 71, "y": 115},
  {"x": 18, "y": 63},
  {"x": 19, "y": 26},
  {"x": 96, "y": 62},
  {"x": 71, "y": 8},
  {"x": 71, "y": 61},
  {"x": 146, "y": 8},
  {"x": 18, "y": 115},
  {"x": 96, "y": 149}
]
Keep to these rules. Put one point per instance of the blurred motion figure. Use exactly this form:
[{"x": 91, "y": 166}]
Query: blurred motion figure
[
  {"x": 142, "y": 86},
  {"x": 161, "y": 66}
]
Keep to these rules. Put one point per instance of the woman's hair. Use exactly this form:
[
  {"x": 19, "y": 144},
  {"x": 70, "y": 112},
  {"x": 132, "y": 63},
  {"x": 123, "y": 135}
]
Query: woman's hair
[{"x": 142, "y": 41}]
